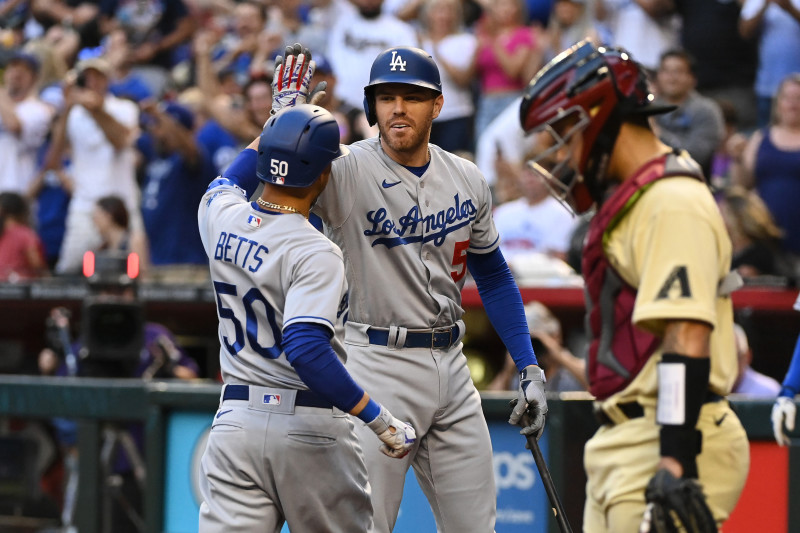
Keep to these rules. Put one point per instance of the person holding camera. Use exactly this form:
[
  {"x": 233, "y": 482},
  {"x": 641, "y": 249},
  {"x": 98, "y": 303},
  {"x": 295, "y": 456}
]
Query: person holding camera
[
  {"x": 101, "y": 130},
  {"x": 114, "y": 341},
  {"x": 563, "y": 370}
]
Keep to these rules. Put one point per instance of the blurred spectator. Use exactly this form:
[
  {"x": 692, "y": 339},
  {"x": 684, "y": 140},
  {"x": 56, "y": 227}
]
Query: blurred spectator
[
  {"x": 509, "y": 53},
  {"x": 750, "y": 382},
  {"x": 138, "y": 349},
  {"x": 776, "y": 24},
  {"x": 353, "y": 125},
  {"x": 52, "y": 68},
  {"x": 696, "y": 125},
  {"x": 156, "y": 31},
  {"x": 219, "y": 144},
  {"x": 770, "y": 162},
  {"x": 645, "y": 28},
  {"x": 506, "y": 187},
  {"x": 14, "y": 13},
  {"x": 355, "y": 40},
  {"x": 536, "y": 222},
  {"x": 563, "y": 371},
  {"x": 241, "y": 111},
  {"x": 732, "y": 144},
  {"x": 326, "y": 13},
  {"x": 51, "y": 190},
  {"x": 503, "y": 138},
  {"x": 235, "y": 50},
  {"x": 24, "y": 123},
  {"x": 21, "y": 250},
  {"x": 289, "y": 23},
  {"x": 80, "y": 16},
  {"x": 123, "y": 81},
  {"x": 111, "y": 219},
  {"x": 726, "y": 63},
  {"x": 453, "y": 49},
  {"x": 755, "y": 237},
  {"x": 570, "y": 21},
  {"x": 64, "y": 41},
  {"x": 100, "y": 129},
  {"x": 177, "y": 172},
  {"x": 406, "y": 10}
]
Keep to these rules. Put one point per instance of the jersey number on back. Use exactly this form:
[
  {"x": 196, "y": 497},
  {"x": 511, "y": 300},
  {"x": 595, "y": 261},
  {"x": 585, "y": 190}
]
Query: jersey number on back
[{"x": 251, "y": 321}]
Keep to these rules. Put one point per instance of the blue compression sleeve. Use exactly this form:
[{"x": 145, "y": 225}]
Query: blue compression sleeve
[
  {"x": 242, "y": 171},
  {"x": 791, "y": 383},
  {"x": 308, "y": 349},
  {"x": 503, "y": 303}
]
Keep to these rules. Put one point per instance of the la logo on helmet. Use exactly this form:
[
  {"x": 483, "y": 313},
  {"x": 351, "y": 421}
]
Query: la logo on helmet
[{"x": 397, "y": 62}]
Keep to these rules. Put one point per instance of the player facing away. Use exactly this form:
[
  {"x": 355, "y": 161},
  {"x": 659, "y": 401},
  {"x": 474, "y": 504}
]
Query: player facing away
[
  {"x": 281, "y": 447},
  {"x": 411, "y": 219},
  {"x": 657, "y": 268}
]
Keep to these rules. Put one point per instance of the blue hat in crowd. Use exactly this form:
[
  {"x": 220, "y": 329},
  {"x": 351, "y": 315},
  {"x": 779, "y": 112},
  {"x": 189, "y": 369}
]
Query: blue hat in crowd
[
  {"x": 323, "y": 65},
  {"x": 181, "y": 114},
  {"x": 25, "y": 57}
]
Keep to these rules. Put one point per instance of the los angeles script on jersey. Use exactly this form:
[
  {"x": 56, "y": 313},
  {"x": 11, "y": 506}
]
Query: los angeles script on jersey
[{"x": 413, "y": 227}]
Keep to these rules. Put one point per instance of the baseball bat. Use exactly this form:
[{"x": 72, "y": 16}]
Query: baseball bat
[{"x": 544, "y": 473}]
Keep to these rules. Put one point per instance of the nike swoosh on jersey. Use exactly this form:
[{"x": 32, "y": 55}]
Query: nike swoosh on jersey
[
  {"x": 719, "y": 422},
  {"x": 223, "y": 413},
  {"x": 386, "y": 184}
]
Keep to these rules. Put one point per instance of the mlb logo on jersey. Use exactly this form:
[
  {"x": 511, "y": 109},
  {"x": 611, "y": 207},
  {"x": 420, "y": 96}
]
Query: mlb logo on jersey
[
  {"x": 254, "y": 221},
  {"x": 272, "y": 399}
]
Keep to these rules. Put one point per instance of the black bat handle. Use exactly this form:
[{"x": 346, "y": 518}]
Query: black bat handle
[{"x": 549, "y": 486}]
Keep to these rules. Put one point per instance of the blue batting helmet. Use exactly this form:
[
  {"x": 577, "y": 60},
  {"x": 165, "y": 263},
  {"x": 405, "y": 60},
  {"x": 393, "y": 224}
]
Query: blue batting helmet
[
  {"x": 402, "y": 64},
  {"x": 297, "y": 145}
]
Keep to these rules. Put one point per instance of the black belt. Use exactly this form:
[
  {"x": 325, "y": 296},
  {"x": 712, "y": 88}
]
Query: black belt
[
  {"x": 304, "y": 398},
  {"x": 634, "y": 409},
  {"x": 438, "y": 338}
]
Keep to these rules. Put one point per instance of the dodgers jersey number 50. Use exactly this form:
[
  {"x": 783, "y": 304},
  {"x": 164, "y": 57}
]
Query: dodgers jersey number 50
[
  {"x": 266, "y": 274},
  {"x": 394, "y": 220}
]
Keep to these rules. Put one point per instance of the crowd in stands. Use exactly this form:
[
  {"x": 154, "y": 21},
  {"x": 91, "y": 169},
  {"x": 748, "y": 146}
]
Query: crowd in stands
[{"x": 116, "y": 114}]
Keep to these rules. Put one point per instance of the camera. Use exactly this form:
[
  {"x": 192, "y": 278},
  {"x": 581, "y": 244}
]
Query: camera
[
  {"x": 80, "y": 79},
  {"x": 112, "y": 323}
]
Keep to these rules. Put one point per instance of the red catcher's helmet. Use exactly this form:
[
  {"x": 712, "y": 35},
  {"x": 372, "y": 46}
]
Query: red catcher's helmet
[{"x": 591, "y": 90}]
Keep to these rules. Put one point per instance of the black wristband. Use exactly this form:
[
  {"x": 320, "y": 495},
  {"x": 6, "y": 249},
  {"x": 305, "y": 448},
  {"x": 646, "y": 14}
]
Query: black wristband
[
  {"x": 679, "y": 407},
  {"x": 684, "y": 444}
]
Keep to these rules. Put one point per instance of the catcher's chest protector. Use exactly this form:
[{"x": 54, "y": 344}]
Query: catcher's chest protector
[{"x": 618, "y": 349}]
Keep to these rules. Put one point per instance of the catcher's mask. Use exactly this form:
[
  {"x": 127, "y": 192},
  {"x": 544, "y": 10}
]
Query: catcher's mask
[
  {"x": 402, "y": 64},
  {"x": 588, "y": 91}
]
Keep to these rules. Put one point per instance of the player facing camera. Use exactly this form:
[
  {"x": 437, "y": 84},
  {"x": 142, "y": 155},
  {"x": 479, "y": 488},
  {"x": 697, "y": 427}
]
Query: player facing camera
[{"x": 112, "y": 325}]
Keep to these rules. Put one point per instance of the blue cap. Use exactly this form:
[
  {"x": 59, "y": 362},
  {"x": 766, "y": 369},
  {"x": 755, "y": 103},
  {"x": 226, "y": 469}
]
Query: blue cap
[
  {"x": 323, "y": 65},
  {"x": 29, "y": 59},
  {"x": 181, "y": 114}
]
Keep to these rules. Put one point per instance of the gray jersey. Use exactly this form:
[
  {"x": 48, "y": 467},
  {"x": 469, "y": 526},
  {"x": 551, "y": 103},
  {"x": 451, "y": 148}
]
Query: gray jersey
[
  {"x": 408, "y": 236},
  {"x": 268, "y": 273}
]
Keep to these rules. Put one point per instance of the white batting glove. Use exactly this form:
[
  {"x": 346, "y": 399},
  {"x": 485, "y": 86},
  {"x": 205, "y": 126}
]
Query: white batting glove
[
  {"x": 291, "y": 78},
  {"x": 530, "y": 398},
  {"x": 398, "y": 437},
  {"x": 783, "y": 412}
]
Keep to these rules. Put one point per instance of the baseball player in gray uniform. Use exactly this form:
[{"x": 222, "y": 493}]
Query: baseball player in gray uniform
[
  {"x": 282, "y": 447},
  {"x": 411, "y": 219}
]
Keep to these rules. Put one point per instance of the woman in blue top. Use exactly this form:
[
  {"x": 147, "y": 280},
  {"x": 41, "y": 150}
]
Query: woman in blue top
[{"x": 770, "y": 162}]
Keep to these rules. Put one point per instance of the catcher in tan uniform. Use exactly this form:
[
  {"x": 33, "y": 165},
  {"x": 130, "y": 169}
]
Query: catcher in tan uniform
[{"x": 670, "y": 454}]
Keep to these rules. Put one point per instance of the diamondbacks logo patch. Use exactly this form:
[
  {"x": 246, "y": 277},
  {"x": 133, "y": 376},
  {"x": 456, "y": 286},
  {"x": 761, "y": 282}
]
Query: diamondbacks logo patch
[{"x": 397, "y": 62}]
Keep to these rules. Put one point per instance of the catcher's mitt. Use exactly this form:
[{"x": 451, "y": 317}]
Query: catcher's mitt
[{"x": 675, "y": 505}]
